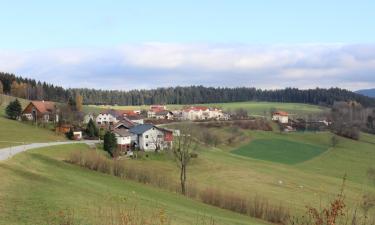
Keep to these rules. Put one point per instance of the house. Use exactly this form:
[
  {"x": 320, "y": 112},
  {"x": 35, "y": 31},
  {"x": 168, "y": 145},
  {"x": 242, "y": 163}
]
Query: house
[
  {"x": 125, "y": 124},
  {"x": 124, "y": 138},
  {"x": 41, "y": 111},
  {"x": 280, "y": 116},
  {"x": 137, "y": 119},
  {"x": 158, "y": 107},
  {"x": 148, "y": 137},
  {"x": 112, "y": 116},
  {"x": 201, "y": 113},
  {"x": 164, "y": 115}
]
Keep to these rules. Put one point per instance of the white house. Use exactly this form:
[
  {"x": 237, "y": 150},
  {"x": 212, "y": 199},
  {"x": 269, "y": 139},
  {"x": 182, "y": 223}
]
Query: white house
[
  {"x": 164, "y": 115},
  {"x": 106, "y": 117},
  {"x": 148, "y": 137},
  {"x": 280, "y": 116},
  {"x": 124, "y": 139},
  {"x": 201, "y": 113}
]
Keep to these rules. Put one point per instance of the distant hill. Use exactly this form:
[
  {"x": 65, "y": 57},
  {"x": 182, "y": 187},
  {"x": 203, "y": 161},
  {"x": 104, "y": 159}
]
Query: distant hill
[
  {"x": 35, "y": 90},
  {"x": 367, "y": 92}
]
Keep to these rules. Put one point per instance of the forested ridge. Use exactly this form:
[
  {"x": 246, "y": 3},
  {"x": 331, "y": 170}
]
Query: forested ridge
[{"x": 36, "y": 90}]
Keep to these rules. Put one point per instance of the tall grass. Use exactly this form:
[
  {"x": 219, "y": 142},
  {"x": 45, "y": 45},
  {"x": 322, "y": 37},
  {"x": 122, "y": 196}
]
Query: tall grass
[{"x": 256, "y": 207}]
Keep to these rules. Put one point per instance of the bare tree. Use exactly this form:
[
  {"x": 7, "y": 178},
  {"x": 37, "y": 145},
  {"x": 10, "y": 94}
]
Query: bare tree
[{"x": 182, "y": 148}]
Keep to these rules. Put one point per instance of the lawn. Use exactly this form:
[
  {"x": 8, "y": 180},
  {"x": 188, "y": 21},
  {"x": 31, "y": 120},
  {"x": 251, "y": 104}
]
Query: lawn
[
  {"x": 254, "y": 108},
  {"x": 36, "y": 185},
  {"x": 16, "y": 133},
  {"x": 278, "y": 150}
]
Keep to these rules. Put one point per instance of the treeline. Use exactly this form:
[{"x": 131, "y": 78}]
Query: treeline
[{"x": 31, "y": 89}]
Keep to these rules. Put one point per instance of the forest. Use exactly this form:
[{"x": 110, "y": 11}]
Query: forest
[{"x": 36, "y": 90}]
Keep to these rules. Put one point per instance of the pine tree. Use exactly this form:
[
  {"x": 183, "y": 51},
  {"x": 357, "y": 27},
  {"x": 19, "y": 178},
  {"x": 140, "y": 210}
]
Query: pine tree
[
  {"x": 14, "y": 110},
  {"x": 110, "y": 143},
  {"x": 91, "y": 129}
]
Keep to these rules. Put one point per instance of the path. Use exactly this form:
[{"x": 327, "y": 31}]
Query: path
[{"x": 6, "y": 153}]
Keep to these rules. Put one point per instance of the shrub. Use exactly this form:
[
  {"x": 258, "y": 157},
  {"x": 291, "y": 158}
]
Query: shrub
[{"x": 14, "y": 109}]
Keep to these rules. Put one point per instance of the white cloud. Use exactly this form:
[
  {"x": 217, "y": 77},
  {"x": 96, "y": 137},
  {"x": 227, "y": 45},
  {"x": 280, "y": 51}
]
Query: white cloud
[{"x": 168, "y": 64}]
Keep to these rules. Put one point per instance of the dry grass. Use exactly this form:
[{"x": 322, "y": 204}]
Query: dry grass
[{"x": 256, "y": 207}]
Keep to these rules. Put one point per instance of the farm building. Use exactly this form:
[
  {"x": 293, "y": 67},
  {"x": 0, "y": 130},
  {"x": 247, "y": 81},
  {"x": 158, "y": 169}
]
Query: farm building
[
  {"x": 41, "y": 111},
  {"x": 280, "y": 116},
  {"x": 124, "y": 138},
  {"x": 148, "y": 137}
]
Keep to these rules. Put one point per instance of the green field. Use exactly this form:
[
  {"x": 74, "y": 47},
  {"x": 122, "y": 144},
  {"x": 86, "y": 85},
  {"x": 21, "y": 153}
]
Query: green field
[
  {"x": 254, "y": 108},
  {"x": 16, "y": 133},
  {"x": 278, "y": 150},
  {"x": 37, "y": 184}
]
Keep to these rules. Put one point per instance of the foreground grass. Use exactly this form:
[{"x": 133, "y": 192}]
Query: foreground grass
[
  {"x": 254, "y": 108},
  {"x": 36, "y": 183}
]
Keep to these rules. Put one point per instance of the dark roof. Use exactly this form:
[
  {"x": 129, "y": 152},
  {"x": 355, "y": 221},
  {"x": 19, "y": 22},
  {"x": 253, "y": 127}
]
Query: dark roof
[
  {"x": 122, "y": 132},
  {"x": 126, "y": 122},
  {"x": 141, "y": 128},
  {"x": 163, "y": 113}
]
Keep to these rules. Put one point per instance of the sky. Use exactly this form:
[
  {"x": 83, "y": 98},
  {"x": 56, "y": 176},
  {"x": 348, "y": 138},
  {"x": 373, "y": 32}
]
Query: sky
[{"x": 147, "y": 44}]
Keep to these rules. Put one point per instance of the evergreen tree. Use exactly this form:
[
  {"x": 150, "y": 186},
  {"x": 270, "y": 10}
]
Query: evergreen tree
[
  {"x": 91, "y": 129},
  {"x": 110, "y": 143},
  {"x": 70, "y": 134},
  {"x": 14, "y": 110}
]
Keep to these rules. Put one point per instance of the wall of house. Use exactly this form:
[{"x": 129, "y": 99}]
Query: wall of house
[
  {"x": 148, "y": 140},
  {"x": 123, "y": 140},
  {"x": 105, "y": 119}
]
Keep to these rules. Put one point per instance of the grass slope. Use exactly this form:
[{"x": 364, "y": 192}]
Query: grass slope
[
  {"x": 278, "y": 150},
  {"x": 36, "y": 183},
  {"x": 16, "y": 133}
]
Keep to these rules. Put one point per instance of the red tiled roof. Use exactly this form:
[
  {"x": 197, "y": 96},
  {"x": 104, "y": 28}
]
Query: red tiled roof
[
  {"x": 281, "y": 113},
  {"x": 195, "y": 108},
  {"x": 44, "y": 106}
]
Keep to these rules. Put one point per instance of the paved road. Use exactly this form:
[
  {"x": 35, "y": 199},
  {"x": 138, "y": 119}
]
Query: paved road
[{"x": 6, "y": 153}]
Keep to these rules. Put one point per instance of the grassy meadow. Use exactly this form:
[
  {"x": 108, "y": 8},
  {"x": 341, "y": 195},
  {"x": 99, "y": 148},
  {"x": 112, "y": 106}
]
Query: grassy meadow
[
  {"x": 16, "y": 133},
  {"x": 37, "y": 185}
]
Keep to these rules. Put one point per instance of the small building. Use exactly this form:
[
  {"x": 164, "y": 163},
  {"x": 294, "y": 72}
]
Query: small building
[
  {"x": 280, "y": 116},
  {"x": 136, "y": 119},
  {"x": 201, "y": 113},
  {"x": 44, "y": 111},
  {"x": 77, "y": 135},
  {"x": 148, "y": 137},
  {"x": 124, "y": 138}
]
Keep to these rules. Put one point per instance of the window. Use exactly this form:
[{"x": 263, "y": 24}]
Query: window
[
  {"x": 160, "y": 136},
  {"x": 146, "y": 136},
  {"x": 146, "y": 144}
]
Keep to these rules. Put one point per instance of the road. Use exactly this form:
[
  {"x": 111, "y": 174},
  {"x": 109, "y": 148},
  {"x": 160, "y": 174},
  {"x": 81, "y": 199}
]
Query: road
[{"x": 6, "y": 153}]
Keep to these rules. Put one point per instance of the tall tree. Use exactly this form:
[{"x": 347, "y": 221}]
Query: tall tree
[
  {"x": 110, "y": 143},
  {"x": 182, "y": 148},
  {"x": 1, "y": 87},
  {"x": 91, "y": 129},
  {"x": 79, "y": 102},
  {"x": 14, "y": 110}
]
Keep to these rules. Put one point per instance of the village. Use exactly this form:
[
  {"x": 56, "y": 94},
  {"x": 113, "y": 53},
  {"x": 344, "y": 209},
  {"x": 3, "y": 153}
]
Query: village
[{"x": 143, "y": 129}]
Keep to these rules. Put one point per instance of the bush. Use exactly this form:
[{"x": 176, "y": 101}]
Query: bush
[
  {"x": 14, "y": 110},
  {"x": 70, "y": 134}
]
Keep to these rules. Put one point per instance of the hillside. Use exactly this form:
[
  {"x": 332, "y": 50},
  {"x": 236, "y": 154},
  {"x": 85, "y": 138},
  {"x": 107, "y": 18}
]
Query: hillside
[
  {"x": 16, "y": 133},
  {"x": 37, "y": 186},
  {"x": 367, "y": 92}
]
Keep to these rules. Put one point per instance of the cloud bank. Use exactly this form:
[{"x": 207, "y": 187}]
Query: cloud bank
[{"x": 151, "y": 65}]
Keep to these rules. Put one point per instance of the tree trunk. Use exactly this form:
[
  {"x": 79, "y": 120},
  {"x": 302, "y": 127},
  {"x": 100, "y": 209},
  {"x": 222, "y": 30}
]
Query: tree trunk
[{"x": 183, "y": 179}]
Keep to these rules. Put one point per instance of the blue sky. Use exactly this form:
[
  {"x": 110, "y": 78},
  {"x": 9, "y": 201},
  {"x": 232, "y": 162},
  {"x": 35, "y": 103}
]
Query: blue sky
[{"x": 179, "y": 43}]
